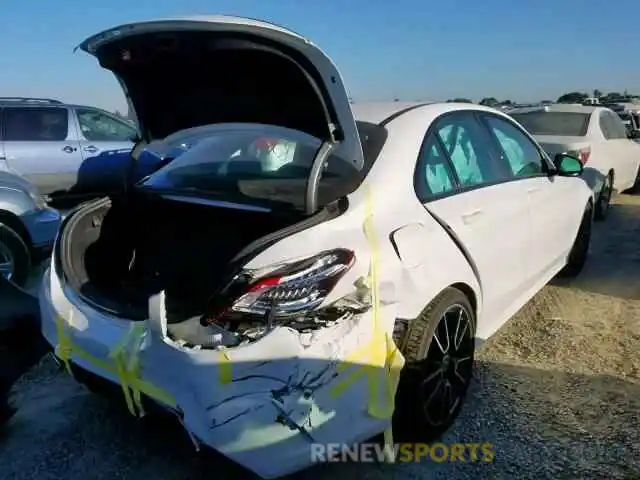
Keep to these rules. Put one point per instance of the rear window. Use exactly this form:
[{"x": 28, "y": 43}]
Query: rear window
[
  {"x": 564, "y": 124},
  {"x": 257, "y": 164}
]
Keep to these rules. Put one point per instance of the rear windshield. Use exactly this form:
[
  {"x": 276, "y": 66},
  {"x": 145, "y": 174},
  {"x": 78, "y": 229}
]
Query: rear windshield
[
  {"x": 566, "y": 124},
  {"x": 257, "y": 164}
]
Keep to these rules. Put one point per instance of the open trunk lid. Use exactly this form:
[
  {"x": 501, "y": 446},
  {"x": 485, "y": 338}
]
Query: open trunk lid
[{"x": 188, "y": 72}]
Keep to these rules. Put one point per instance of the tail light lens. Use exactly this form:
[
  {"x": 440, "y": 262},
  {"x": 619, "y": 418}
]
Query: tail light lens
[
  {"x": 282, "y": 290},
  {"x": 581, "y": 154}
]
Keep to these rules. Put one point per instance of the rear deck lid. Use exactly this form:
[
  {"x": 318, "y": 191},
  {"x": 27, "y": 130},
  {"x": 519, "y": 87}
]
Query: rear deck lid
[{"x": 188, "y": 72}]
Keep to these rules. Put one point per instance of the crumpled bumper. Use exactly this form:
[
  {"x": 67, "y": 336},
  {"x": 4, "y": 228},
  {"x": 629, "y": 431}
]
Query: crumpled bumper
[{"x": 262, "y": 405}]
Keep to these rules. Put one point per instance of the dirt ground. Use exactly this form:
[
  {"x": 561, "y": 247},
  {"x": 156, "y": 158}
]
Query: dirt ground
[{"x": 557, "y": 393}]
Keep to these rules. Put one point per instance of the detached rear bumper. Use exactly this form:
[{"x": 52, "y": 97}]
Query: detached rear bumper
[{"x": 262, "y": 405}]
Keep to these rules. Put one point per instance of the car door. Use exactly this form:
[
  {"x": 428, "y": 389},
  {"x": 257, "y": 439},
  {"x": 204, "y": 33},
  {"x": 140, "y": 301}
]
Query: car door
[
  {"x": 554, "y": 202},
  {"x": 462, "y": 182},
  {"x": 105, "y": 143},
  {"x": 39, "y": 144},
  {"x": 626, "y": 152}
]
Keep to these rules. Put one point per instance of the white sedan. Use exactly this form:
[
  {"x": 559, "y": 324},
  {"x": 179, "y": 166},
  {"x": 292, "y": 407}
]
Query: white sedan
[
  {"x": 597, "y": 136},
  {"x": 257, "y": 285}
]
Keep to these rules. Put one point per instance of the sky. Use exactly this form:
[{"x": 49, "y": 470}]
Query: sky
[{"x": 408, "y": 49}]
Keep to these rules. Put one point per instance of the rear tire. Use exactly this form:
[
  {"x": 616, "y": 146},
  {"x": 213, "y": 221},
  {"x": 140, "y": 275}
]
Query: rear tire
[
  {"x": 439, "y": 350},
  {"x": 580, "y": 250},
  {"x": 604, "y": 198},
  {"x": 636, "y": 184},
  {"x": 14, "y": 256}
]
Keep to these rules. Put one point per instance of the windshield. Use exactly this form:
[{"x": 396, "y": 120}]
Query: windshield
[
  {"x": 258, "y": 164},
  {"x": 565, "y": 124}
]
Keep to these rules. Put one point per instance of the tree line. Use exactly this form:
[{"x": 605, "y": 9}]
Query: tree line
[{"x": 611, "y": 97}]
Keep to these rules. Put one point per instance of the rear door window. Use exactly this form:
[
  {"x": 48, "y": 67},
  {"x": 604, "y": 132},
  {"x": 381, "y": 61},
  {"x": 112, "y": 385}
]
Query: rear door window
[
  {"x": 36, "y": 124},
  {"x": 617, "y": 129},
  {"x": 433, "y": 174},
  {"x": 469, "y": 148}
]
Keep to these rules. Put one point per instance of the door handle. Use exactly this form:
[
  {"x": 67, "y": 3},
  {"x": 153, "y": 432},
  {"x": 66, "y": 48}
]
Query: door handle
[
  {"x": 90, "y": 149},
  {"x": 471, "y": 216},
  {"x": 69, "y": 149},
  {"x": 533, "y": 189}
]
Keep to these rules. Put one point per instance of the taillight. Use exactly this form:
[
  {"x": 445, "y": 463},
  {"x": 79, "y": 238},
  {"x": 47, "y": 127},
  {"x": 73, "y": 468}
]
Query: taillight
[
  {"x": 581, "y": 154},
  {"x": 282, "y": 290}
]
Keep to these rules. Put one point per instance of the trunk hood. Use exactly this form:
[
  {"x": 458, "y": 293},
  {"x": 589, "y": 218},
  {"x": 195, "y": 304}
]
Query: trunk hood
[{"x": 183, "y": 73}]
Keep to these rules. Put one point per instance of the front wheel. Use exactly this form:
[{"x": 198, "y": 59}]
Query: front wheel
[
  {"x": 15, "y": 260},
  {"x": 604, "y": 199},
  {"x": 439, "y": 352},
  {"x": 580, "y": 249}
]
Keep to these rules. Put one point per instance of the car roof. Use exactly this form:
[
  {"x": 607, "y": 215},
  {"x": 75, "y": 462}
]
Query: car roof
[
  {"x": 383, "y": 112},
  {"x": 378, "y": 112}
]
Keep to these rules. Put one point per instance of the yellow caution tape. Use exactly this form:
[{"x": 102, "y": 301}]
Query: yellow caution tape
[
  {"x": 225, "y": 371},
  {"x": 380, "y": 357},
  {"x": 125, "y": 367}
]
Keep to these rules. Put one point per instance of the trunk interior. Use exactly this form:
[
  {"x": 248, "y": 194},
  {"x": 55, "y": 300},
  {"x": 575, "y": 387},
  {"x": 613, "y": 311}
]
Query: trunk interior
[{"x": 128, "y": 250}]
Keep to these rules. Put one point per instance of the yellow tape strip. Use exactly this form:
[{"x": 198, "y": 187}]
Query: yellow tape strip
[
  {"x": 380, "y": 356},
  {"x": 127, "y": 369},
  {"x": 225, "y": 369}
]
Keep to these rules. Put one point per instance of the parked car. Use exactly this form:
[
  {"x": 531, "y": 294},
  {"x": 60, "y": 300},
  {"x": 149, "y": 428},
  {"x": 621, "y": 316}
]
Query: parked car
[
  {"x": 65, "y": 150},
  {"x": 27, "y": 227},
  {"x": 596, "y": 135},
  {"x": 264, "y": 277}
]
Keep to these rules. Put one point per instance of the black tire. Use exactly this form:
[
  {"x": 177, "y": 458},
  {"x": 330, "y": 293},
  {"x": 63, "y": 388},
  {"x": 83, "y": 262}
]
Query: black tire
[
  {"x": 580, "y": 249},
  {"x": 604, "y": 199},
  {"x": 416, "y": 418},
  {"x": 636, "y": 185},
  {"x": 12, "y": 243}
]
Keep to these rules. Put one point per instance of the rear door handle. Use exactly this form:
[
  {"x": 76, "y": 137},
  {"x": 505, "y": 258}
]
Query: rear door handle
[
  {"x": 533, "y": 189},
  {"x": 471, "y": 216},
  {"x": 69, "y": 149},
  {"x": 91, "y": 149}
]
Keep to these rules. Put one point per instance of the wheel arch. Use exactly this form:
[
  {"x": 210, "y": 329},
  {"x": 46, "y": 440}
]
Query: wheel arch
[{"x": 12, "y": 221}]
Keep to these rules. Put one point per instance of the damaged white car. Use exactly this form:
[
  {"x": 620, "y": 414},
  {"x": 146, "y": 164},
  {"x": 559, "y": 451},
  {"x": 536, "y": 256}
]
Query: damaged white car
[{"x": 256, "y": 284}]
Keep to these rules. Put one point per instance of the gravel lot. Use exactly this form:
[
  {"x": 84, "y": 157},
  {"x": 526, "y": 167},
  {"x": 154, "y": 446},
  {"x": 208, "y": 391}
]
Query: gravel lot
[{"x": 558, "y": 394}]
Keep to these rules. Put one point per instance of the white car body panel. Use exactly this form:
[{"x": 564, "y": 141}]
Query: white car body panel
[{"x": 286, "y": 373}]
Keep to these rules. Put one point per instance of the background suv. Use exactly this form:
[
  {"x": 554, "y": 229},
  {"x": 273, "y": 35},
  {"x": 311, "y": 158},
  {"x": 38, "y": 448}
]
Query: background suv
[{"x": 66, "y": 151}]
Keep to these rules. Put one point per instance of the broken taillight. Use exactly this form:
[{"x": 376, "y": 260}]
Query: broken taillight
[
  {"x": 582, "y": 154},
  {"x": 284, "y": 290}
]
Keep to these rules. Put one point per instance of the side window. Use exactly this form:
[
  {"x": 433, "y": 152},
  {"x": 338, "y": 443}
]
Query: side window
[
  {"x": 617, "y": 127},
  {"x": 604, "y": 126},
  {"x": 433, "y": 175},
  {"x": 518, "y": 150},
  {"x": 99, "y": 127},
  {"x": 469, "y": 149},
  {"x": 36, "y": 124}
]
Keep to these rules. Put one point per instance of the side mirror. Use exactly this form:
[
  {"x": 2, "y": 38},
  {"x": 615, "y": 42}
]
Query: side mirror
[
  {"x": 632, "y": 134},
  {"x": 567, "y": 166}
]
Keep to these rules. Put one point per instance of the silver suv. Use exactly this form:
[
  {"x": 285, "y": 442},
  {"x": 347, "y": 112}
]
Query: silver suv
[{"x": 64, "y": 149}]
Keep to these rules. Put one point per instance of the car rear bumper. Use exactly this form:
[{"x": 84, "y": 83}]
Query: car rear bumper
[{"x": 279, "y": 399}]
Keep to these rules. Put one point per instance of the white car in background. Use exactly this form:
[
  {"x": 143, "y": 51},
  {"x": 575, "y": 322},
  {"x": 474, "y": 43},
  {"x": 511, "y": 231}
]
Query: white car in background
[
  {"x": 594, "y": 134},
  {"x": 260, "y": 288}
]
